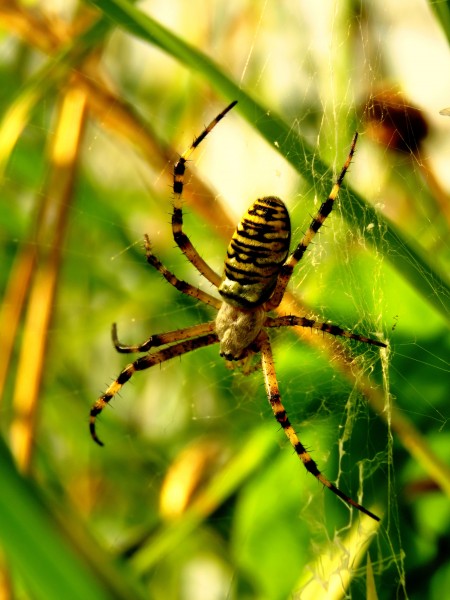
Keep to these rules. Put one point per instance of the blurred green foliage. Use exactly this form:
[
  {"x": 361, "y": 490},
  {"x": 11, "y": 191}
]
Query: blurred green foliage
[{"x": 256, "y": 525}]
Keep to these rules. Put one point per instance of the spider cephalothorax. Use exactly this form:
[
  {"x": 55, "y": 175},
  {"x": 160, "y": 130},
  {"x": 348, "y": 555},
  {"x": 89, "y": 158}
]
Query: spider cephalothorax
[{"x": 257, "y": 270}]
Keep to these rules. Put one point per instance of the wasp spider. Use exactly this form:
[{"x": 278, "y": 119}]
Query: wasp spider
[{"x": 258, "y": 268}]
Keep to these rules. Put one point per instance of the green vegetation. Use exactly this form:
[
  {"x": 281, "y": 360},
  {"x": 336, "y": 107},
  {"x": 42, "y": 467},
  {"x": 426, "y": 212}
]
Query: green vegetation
[{"x": 196, "y": 493}]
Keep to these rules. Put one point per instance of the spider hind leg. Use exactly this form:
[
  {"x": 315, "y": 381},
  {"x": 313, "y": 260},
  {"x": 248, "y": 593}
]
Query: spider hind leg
[
  {"x": 317, "y": 222},
  {"x": 181, "y": 239}
]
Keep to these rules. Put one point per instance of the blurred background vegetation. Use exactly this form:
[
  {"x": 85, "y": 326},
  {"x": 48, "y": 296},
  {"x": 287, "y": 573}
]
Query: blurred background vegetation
[{"x": 196, "y": 494}]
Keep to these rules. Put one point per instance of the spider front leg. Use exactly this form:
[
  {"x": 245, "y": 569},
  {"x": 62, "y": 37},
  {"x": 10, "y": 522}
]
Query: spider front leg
[
  {"x": 317, "y": 222},
  {"x": 142, "y": 363},
  {"x": 273, "y": 395}
]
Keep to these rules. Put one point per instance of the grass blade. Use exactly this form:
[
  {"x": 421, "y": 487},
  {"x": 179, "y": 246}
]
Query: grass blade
[{"x": 406, "y": 257}]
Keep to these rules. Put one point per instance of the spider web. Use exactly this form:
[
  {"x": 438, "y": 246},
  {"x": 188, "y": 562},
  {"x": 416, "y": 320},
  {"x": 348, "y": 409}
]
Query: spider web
[
  {"x": 324, "y": 74},
  {"x": 333, "y": 279}
]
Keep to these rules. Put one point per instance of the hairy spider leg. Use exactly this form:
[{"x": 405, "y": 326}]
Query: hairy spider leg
[
  {"x": 161, "y": 339},
  {"x": 317, "y": 222},
  {"x": 181, "y": 239},
  {"x": 179, "y": 284},
  {"x": 294, "y": 321},
  {"x": 145, "y": 362},
  {"x": 273, "y": 395}
]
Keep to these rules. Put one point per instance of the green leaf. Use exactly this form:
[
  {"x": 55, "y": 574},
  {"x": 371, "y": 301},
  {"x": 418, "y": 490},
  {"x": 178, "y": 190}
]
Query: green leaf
[
  {"x": 34, "y": 542},
  {"x": 407, "y": 258}
]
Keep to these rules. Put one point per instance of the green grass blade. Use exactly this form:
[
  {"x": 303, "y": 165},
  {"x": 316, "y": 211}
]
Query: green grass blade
[
  {"x": 48, "y": 560},
  {"x": 401, "y": 251},
  {"x": 442, "y": 13},
  {"x": 255, "y": 451},
  {"x": 41, "y": 85}
]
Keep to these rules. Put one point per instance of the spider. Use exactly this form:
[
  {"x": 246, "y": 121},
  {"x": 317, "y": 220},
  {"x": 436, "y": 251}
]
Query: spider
[{"x": 257, "y": 271}]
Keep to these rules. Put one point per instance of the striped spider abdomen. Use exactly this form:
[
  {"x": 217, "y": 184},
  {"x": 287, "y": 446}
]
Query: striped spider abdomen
[{"x": 256, "y": 253}]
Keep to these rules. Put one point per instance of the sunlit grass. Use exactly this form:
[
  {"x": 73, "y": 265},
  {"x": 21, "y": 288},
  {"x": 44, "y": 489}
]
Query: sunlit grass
[{"x": 88, "y": 522}]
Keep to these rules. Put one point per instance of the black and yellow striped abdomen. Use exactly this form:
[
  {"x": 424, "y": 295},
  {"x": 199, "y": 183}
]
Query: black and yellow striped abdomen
[{"x": 256, "y": 253}]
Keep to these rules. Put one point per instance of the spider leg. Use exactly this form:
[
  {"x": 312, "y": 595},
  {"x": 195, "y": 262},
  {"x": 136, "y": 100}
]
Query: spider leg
[
  {"x": 316, "y": 224},
  {"x": 179, "y": 236},
  {"x": 161, "y": 339},
  {"x": 273, "y": 395},
  {"x": 181, "y": 286},
  {"x": 294, "y": 321},
  {"x": 145, "y": 362}
]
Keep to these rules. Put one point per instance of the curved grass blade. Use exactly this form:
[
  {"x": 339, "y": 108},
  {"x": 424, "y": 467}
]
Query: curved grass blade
[
  {"x": 53, "y": 563},
  {"x": 402, "y": 252}
]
